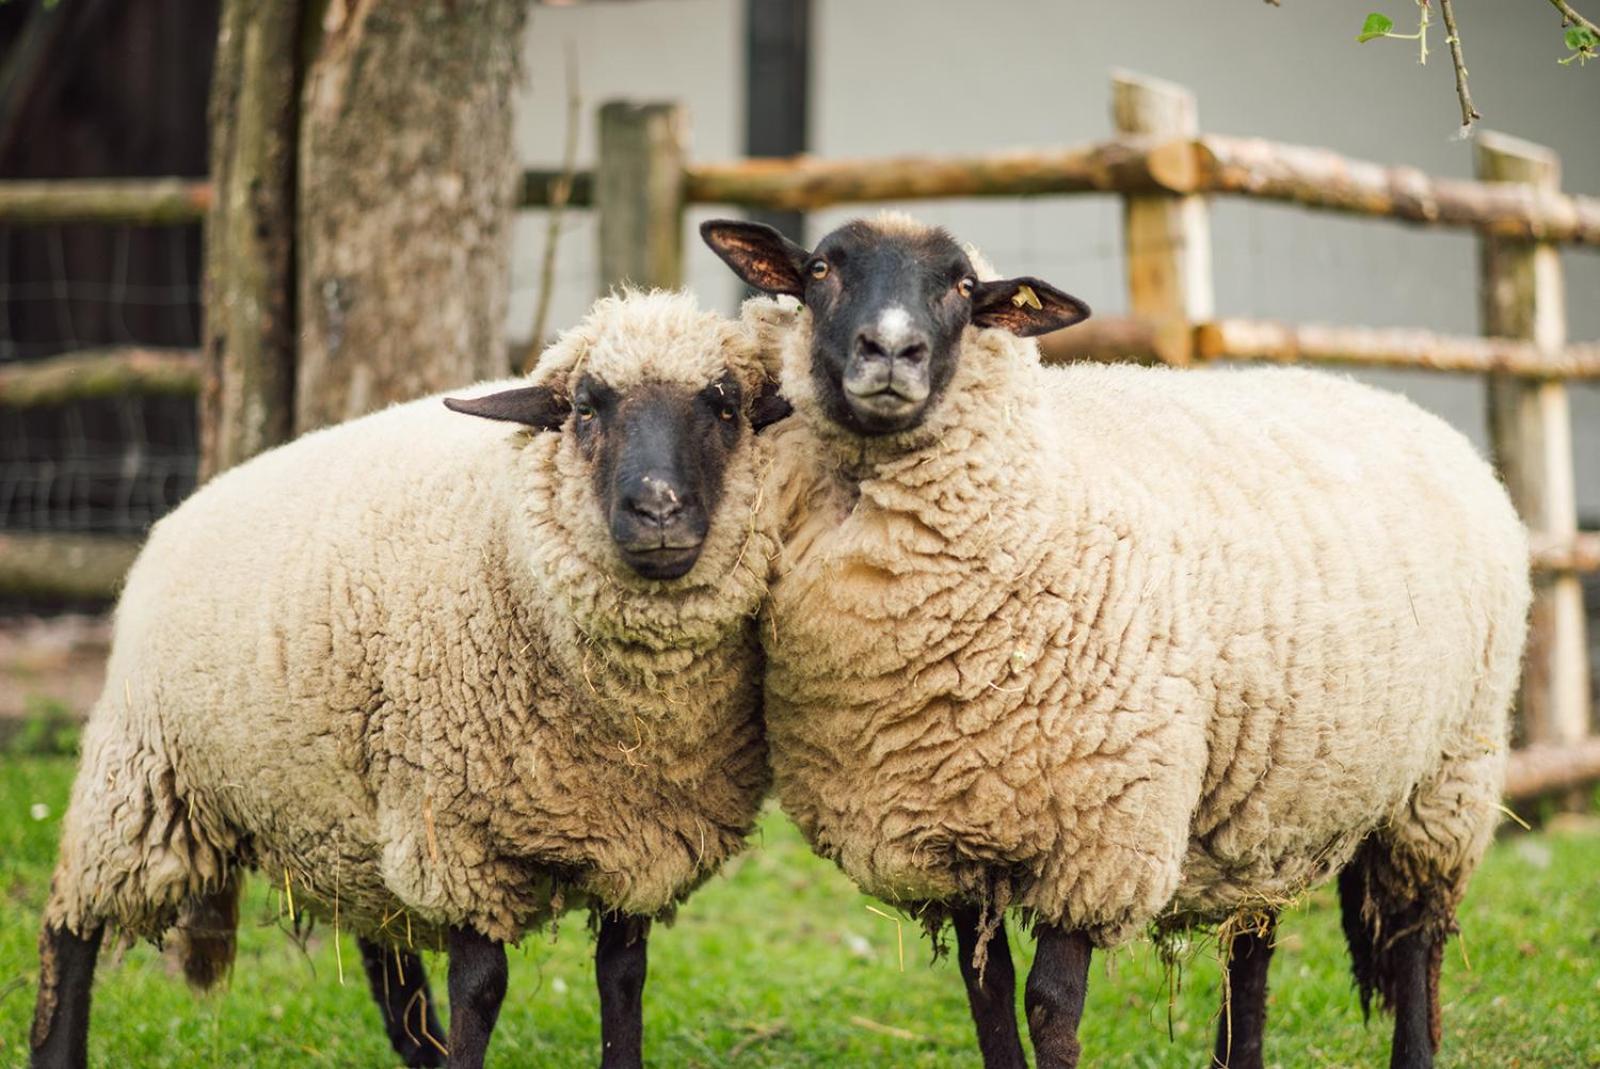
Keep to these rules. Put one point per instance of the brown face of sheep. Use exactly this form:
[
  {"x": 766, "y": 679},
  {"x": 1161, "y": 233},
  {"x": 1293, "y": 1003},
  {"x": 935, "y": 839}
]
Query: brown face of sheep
[
  {"x": 658, "y": 453},
  {"x": 888, "y": 305}
]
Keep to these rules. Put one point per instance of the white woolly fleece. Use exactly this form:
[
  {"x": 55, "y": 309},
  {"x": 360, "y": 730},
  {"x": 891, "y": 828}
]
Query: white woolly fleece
[
  {"x": 1117, "y": 644},
  {"x": 400, "y": 661}
]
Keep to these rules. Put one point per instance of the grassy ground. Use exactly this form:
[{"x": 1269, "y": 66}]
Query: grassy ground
[{"x": 781, "y": 963}]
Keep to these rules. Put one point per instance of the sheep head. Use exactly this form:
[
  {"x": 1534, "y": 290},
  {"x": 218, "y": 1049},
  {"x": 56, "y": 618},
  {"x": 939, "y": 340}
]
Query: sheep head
[
  {"x": 889, "y": 300},
  {"x": 656, "y": 398}
]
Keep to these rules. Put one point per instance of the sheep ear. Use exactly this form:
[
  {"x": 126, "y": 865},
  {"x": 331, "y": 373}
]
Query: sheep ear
[
  {"x": 1025, "y": 306},
  {"x": 758, "y": 254},
  {"x": 769, "y": 407},
  {"x": 539, "y": 407}
]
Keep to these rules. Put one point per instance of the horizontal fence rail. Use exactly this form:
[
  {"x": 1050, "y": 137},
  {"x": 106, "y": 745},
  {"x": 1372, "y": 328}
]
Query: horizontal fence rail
[
  {"x": 56, "y": 565},
  {"x": 95, "y": 373},
  {"x": 154, "y": 201},
  {"x": 1110, "y": 339},
  {"x": 1248, "y": 339},
  {"x": 1211, "y": 164},
  {"x": 804, "y": 183}
]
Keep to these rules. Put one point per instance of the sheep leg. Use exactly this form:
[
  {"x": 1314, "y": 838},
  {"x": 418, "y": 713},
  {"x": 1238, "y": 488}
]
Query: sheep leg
[
  {"x": 991, "y": 993},
  {"x": 1057, "y": 984},
  {"x": 477, "y": 987},
  {"x": 400, "y": 988},
  {"x": 619, "y": 969},
  {"x": 1244, "y": 1009},
  {"x": 1413, "y": 961},
  {"x": 60, "y": 1036}
]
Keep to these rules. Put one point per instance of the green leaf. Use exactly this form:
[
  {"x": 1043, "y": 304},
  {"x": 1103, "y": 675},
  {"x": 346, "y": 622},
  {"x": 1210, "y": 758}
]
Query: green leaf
[
  {"x": 1376, "y": 26},
  {"x": 1581, "y": 38}
]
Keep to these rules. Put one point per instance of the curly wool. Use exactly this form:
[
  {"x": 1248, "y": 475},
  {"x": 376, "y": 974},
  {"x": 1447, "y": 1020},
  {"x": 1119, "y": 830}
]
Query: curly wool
[
  {"x": 1114, "y": 644},
  {"x": 399, "y": 665}
]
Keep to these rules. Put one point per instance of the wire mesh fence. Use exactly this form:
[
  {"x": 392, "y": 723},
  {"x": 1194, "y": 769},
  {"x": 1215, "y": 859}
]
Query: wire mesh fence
[{"x": 112, "y": 465}]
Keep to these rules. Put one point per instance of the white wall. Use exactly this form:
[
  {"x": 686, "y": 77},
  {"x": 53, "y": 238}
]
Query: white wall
[{"x": 918, "y": 76}]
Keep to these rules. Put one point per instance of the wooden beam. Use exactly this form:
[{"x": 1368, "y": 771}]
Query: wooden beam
[
  {"x": 88, "y": 567},
  {"x": 1314, "y": 178},
  {"x": 804, "y": 184},
  {"x": 1322, "y": 179},
  {"x": 1543, "y": 769},
  {"x": 1166, "y": 237},
  {"x": 149, "y": 201},
  {"x": 1530, "y": 425},
  {"x": 1253, "y": 339},
  {"x": 1579, "y": 553},
  {"x": 184, "y": 200},
  {"x": 639, "y": 192},
  {"x": 96, "y": 373},
  {"x": 1103, "y": 340}
]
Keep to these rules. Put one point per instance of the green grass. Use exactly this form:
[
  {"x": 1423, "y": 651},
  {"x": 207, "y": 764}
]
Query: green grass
[{"x": 781, "y": 963}]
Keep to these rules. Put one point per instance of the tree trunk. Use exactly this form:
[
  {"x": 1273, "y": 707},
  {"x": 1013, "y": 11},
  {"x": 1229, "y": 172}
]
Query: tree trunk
[
  {"x": 246, "y": 401},
  {"x": 406, "y": 182}
]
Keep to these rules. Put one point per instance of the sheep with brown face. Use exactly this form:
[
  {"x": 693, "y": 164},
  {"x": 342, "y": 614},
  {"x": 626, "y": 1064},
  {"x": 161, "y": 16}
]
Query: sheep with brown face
[
  {"x": 1120, "y": 646},
  {"x": 446, "y": 676}
]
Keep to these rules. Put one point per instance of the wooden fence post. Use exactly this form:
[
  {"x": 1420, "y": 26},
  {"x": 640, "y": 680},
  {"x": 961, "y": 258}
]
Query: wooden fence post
[
  {"x": 639, "y": 194},
  {"x": 1530, "y": 423},
  {"x": 1166, "y": 239}
]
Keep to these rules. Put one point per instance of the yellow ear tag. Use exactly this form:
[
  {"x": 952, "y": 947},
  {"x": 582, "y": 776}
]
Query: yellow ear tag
[{"x": 1026, "y": 298}]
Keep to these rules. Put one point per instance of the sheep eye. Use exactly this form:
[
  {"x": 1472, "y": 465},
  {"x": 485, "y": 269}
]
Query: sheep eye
[
  {"x": 726, "y": 413},
  {"x": 966, "y": 286},
  {"x": 819, "y": 269},
  {"x": 584, "y": 410}
]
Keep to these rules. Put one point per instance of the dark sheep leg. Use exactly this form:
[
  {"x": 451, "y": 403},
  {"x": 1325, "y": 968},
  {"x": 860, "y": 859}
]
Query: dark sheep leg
[
  {"x": 993, "y": 996},
  {"x": 477, "y": 987},
  {"x": 60, "y": 1036},
  {"x": 1244, "y": 1010},
  {"x": 1413, "y": 996},
  {"x": 619, "y": 970},
  {"x": 400, "y": 988},
  {"x": 1057, "y": 984}
]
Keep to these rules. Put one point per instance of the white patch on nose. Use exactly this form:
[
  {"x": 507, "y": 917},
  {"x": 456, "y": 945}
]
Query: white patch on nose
[
  {"x": 661, "y": 485},
  {"x": 894, "y": 326}
]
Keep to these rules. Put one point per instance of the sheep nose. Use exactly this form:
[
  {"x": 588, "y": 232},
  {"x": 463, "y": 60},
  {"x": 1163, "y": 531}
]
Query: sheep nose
[
  {"x": 894, "y": 347},
  {"x": 655, "y": 499}
]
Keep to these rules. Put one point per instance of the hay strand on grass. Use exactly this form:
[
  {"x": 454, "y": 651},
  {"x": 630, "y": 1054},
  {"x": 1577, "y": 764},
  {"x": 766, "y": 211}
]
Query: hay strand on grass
[
  {"x": 758, "y": 1034},
  {"x": 887, "y": 1029}
]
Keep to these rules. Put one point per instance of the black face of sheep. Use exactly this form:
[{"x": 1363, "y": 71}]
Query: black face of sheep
[
  {"x": 658, "y": 453},
  {"x": 889, "y": 302}
]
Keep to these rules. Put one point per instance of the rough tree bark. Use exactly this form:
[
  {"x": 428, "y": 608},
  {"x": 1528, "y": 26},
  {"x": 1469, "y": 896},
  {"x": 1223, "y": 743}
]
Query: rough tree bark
[
  {"x": 406, "y": 182},
  {"x": 358, "y": 238},
  {"x": 246, "y": 399}
]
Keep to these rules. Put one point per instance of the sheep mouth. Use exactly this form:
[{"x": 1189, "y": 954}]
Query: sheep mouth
[
  {"x": 661, "y": 561},
  {"x": 885, "y": 411}
]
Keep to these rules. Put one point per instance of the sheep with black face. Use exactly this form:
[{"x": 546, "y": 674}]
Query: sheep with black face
[
  {"x": 1121, "y": 646},
  {"x": 448, "y": 676}
]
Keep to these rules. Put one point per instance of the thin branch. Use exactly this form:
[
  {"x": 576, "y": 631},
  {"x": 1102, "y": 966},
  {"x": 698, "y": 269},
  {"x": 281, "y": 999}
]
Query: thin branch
[
  {"x": 1469, "y": 114},
  {"x": 1573, "y": 17},
  {"x": 560, "y": 194}
]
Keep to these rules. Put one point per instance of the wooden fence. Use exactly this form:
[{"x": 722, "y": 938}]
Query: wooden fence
[{"x": 1164, "y": 170}]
